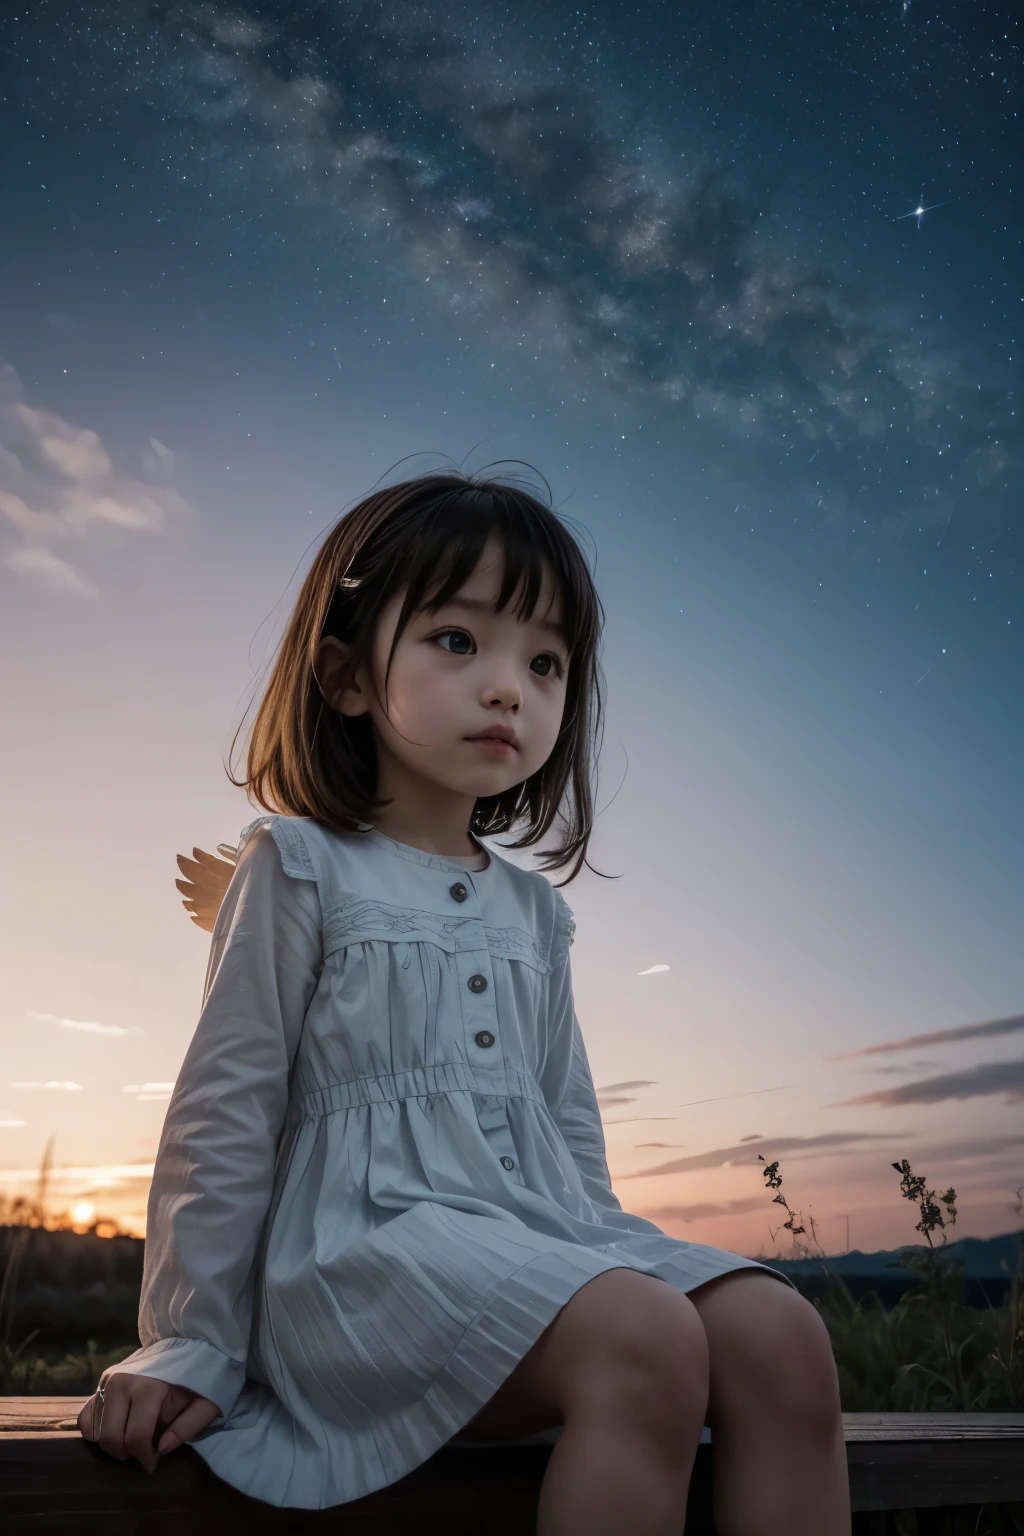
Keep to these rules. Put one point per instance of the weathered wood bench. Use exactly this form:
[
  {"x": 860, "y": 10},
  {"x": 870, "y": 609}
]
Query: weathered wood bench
[{"x": 53, "y": 1481}]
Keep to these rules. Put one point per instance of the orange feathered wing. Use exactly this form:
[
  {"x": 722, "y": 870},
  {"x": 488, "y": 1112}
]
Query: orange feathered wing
[{"x": 207, "y": 877}]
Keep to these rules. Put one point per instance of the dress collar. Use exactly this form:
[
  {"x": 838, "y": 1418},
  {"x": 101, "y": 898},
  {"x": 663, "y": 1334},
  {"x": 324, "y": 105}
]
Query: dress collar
[{"x": 420, "y": 856}]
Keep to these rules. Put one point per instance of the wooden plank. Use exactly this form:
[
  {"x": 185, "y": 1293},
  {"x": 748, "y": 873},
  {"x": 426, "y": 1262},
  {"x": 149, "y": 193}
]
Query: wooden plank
[
  {"x": 19, "y": 1414},
  {"x": 57, "y": 1484},
  {"x": 901, "y": 1427},
  {"x": 50, "y": 1476},
  {"x": 25, "y": 1413},
  {"x": 934, "y": 1460}
]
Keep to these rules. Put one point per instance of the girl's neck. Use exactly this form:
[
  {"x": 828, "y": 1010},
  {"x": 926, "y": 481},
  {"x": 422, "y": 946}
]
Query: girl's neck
[
  {"x": 429, "y": 817},
  {"x": 453, "y": 847}
]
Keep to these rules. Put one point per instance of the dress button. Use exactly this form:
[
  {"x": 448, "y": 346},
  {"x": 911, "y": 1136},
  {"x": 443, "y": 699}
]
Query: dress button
[
  {"x": 477, "y": 983},
  {"x": 484, "y": 1037},
  {"x": 507, "y": 1162},
  {"x": 458, "y": 891}
]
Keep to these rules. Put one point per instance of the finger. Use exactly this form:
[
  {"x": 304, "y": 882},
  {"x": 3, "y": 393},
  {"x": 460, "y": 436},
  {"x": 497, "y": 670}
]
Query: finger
[
  {"x": 175, "y": 1401},
  {"x": 141, "y": 1427},
  {"x": 88, "y": 1418},
  {"x": 112, "y": 1418},
  {"x": 189, "y": 1423}
]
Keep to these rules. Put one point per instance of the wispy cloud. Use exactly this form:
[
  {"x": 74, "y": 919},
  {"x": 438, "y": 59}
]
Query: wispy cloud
[
  {"x": 990, "y": 1029},
  {"x": 750, "y": 1093},
  {"x": 146, "y": 1091},
  {"x": 98, "y": 1174},
  {"x": 636, "y": 1119},
  {"x": 629, "y": 1086},
  {"x": 84, "y": 1025},
  {"x": 725, "y": 1157},
  {"x": 52, "y": 1083},
  {"x": 992, "y": 1077},
  {"x": 979, "y": 1147},
  {"x": 8, "y": 1122},
  {"x": 703, "y": 1210},
  {"x": 904, "y": 1068},
  {"x": 613, "y": 1098},
  {"x": 42, "y": 565},
  {"x": 58, "y": 481}
]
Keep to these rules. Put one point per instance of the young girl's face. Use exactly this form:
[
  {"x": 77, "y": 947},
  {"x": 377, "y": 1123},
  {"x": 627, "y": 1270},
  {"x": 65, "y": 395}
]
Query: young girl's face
[{"x": 458, "y": 674}]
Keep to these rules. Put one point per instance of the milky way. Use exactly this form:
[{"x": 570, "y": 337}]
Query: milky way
[{"x": 707, "y": 213}]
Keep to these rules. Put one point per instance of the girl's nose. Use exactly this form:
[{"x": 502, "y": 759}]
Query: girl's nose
[{"x": 504, "y": 693}]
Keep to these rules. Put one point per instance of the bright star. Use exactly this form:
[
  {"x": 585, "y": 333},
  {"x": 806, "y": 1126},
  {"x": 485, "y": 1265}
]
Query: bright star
[{"x": 919, "y": 212}]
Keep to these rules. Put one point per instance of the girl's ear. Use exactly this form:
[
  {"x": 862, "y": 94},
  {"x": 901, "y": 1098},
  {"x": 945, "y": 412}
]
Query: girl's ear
[{"x": 341, "y": 690}]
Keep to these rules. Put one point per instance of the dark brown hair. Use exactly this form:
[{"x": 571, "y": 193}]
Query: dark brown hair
[{"x": 426, "y": 536}]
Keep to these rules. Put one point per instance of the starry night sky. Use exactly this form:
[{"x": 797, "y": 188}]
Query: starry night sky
[{"x": 253, "y": 258}]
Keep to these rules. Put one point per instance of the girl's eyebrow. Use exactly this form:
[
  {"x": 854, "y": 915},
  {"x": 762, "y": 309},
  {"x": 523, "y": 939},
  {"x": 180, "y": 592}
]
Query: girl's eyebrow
[{"x": 480, "y": 605}]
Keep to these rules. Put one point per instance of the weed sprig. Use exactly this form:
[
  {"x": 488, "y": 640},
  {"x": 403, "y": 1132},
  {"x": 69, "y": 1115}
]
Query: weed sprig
[{"x": 794, "y": 1219}]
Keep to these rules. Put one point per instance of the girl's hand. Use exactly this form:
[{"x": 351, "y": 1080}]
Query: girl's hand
[{"x": 144, "y": 1418}]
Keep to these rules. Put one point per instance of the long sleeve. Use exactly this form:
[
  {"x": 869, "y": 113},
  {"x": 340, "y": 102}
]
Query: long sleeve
[
  {"x": 214, "y": 1170},
  {"x": 566, "y": 1081}
]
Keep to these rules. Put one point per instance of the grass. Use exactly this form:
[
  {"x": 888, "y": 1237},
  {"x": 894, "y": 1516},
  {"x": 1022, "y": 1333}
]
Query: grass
[
  {"x": 931, "y": 1352},
  {"x": 27, "y": 1366},
  {"x": 42, "y": 1372}
]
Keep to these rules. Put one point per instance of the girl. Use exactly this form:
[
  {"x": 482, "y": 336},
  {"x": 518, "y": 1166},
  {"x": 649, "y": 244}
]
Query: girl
[{"x": 381, "y": 1217}]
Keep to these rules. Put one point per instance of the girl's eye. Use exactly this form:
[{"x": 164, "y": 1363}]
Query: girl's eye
[
  {"x": 461, "y": 644},
  {"x": 548, "y": 664}
]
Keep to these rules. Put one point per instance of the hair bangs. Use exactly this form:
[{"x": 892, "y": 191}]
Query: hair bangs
[{"x": 450, "y": 548}]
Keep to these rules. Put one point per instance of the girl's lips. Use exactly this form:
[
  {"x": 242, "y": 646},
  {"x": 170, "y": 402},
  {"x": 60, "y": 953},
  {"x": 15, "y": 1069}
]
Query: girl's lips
[{"x": 493, "y": 744}]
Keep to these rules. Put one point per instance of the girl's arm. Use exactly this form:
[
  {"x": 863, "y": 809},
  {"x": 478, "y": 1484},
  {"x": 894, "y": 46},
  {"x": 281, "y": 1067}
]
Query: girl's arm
[
  {"x": 215, "y": 1165},
  {"x": 566, "y": 1083}
]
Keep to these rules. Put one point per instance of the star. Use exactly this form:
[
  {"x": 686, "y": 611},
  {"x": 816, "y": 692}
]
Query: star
[{"x": 919, "y": 212}]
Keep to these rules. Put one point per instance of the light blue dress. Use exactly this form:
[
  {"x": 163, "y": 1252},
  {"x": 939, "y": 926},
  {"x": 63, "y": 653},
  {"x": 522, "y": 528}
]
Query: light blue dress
[{"x": 382, "y": 1172}]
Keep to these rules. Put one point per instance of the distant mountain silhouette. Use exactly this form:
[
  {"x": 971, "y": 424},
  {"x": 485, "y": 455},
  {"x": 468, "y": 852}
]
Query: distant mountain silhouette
[{"x": 989, "y": 1266}]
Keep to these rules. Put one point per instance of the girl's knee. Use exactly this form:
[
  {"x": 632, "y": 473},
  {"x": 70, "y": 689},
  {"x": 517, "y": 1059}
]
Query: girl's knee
[
  {"x": 796, "y": 1373},
  {"x": 770, "y": 1352},
  {"x": 650, "y": 1361}
]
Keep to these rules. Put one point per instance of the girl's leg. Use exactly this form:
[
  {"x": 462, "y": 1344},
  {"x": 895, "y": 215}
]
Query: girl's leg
[
  {"x": 624, "y": 1369},
  {"x": 634, "y": 1413},
  {"x": 779, "y": 1457}
]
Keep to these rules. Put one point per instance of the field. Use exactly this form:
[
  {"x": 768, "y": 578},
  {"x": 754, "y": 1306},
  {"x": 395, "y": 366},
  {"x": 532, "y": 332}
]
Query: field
[{"x": 69, "y": 1300}]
